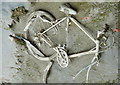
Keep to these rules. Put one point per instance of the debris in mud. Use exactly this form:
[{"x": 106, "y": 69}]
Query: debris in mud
[
  {"x": 17, "y": 12},
  {"x": 18, "y": 41},
  {"x": 16, "y": 68},
  {"x": 116, "y": 30},
  {"x": 12, "y": 24}
]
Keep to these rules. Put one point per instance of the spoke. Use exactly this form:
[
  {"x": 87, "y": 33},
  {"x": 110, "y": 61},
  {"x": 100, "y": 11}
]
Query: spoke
[{"x": 41, "y": 23}]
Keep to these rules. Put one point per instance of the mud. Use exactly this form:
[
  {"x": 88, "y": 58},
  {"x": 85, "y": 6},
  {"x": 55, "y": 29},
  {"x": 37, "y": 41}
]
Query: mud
[{"x": 30, "y": 70}]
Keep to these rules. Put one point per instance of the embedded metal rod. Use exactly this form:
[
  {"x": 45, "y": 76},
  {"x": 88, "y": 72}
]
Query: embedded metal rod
[
  {"x": 54, "y": 48},
  {"x": 36, "y": 53},
  {"x": 96, "y": 51},
  {"x": 67, "y": 31},
  {"x": 53, "y": 25},
  {"x": 26, "y": 28},
  {"x": 45, "y": 75},
  {"x": 83, "y": 29},
  {"x": 97, "y": 47},
  {"x": 85, "y": 69},
  {"x": 82, "y": 54},
  {"x": 29, "y": 23}
]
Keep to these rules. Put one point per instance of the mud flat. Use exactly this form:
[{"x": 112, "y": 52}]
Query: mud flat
[{"x": 28, "y": 69}]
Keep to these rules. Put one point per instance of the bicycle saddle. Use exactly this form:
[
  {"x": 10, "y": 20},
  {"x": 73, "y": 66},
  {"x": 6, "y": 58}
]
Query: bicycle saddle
[{"x": 66, "y": 8}]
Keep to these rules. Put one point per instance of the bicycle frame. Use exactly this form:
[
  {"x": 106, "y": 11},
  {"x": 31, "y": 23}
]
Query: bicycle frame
[
  {"x": 84, "y": 30},
  {"x": 61, "y": 54}
]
